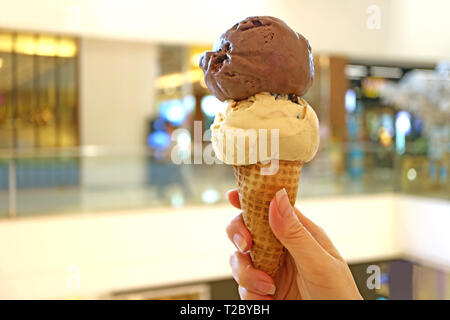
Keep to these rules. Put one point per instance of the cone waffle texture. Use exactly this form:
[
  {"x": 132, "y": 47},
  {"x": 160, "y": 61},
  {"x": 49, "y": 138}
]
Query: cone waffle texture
[{"x": 255, "y": 192}]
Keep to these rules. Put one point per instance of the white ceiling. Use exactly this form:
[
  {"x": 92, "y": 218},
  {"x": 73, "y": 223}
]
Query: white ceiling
[{"x": 408, "y": 29}]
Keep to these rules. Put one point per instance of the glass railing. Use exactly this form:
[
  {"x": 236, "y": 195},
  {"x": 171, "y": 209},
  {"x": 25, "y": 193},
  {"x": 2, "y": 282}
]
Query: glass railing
[{"x": 95, "y": 179}]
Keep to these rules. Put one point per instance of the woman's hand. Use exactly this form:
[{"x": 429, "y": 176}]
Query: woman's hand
[{"x": 313, "y": 269}]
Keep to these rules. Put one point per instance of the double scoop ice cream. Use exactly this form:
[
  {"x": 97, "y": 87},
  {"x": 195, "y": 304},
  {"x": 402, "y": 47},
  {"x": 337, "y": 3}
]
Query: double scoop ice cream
[{"x": 260, "y": 68}]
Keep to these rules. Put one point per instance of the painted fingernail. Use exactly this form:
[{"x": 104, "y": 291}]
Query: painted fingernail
[
  {"x": 283, "y": 203},
  {"x": 265, "y": 287},
  {"x": 240, "y": 242}
]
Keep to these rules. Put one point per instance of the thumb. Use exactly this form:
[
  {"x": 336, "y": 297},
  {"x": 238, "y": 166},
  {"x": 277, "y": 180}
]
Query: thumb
[{"x": 306, "y": 251}]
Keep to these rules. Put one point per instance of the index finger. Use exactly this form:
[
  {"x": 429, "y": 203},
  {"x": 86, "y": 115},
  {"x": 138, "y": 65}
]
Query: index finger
[
  {"x": 233, "y": 198},
  {"x": 238, "y": 234}
]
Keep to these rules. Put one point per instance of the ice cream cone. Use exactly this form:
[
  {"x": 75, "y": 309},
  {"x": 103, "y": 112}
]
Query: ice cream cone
[{"x": 255, "y": 192}]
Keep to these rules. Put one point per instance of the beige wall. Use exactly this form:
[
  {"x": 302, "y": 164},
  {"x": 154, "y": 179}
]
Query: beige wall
[
  {"x": 116, "y": 100},
  {"x": 169, "y": 20},
  {"x": 409, "y": 29},
  {"x": 116, "y": 92}
]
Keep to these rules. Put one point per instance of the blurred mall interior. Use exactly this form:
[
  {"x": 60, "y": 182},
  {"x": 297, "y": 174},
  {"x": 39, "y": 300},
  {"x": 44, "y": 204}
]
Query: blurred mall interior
[{"x": 93, "y": 95}]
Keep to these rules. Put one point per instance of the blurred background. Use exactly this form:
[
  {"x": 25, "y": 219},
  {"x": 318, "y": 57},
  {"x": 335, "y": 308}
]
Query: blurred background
[{"x": 91, "y": 205}]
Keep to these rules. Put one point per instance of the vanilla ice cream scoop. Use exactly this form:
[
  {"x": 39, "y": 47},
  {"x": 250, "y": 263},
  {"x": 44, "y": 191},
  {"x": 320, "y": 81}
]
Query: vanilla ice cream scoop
[{"x": 288, "y": 130}]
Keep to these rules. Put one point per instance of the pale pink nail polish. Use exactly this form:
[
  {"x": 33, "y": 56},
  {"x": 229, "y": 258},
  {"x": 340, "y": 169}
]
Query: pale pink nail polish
[
  {"x": 284, "y": 206},
  {"x": 240, "y": 242},
  {"x": 265, "y": 287}
]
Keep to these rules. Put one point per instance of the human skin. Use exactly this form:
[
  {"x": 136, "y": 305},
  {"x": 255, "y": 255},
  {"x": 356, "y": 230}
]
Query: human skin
[{"x": 313, "y": 269}]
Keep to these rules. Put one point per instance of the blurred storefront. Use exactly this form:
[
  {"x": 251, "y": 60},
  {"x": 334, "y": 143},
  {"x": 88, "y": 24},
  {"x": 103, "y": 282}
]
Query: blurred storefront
[{"x": 39, "y": 105}]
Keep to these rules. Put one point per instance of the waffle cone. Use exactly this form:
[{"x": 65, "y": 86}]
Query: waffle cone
[{"x": 255, "y": 193}]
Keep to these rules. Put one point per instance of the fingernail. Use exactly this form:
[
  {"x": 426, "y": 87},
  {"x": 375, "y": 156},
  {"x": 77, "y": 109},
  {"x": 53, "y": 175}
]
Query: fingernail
[
  {"x": 265, "y": 287},
  {"x": 284, "y": 206},
  {"x": 240, "y": 242}
]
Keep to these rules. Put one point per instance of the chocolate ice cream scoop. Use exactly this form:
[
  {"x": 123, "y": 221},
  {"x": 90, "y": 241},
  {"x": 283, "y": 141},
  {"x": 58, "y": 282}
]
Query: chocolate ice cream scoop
[{"x": 258, "y": 54}]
